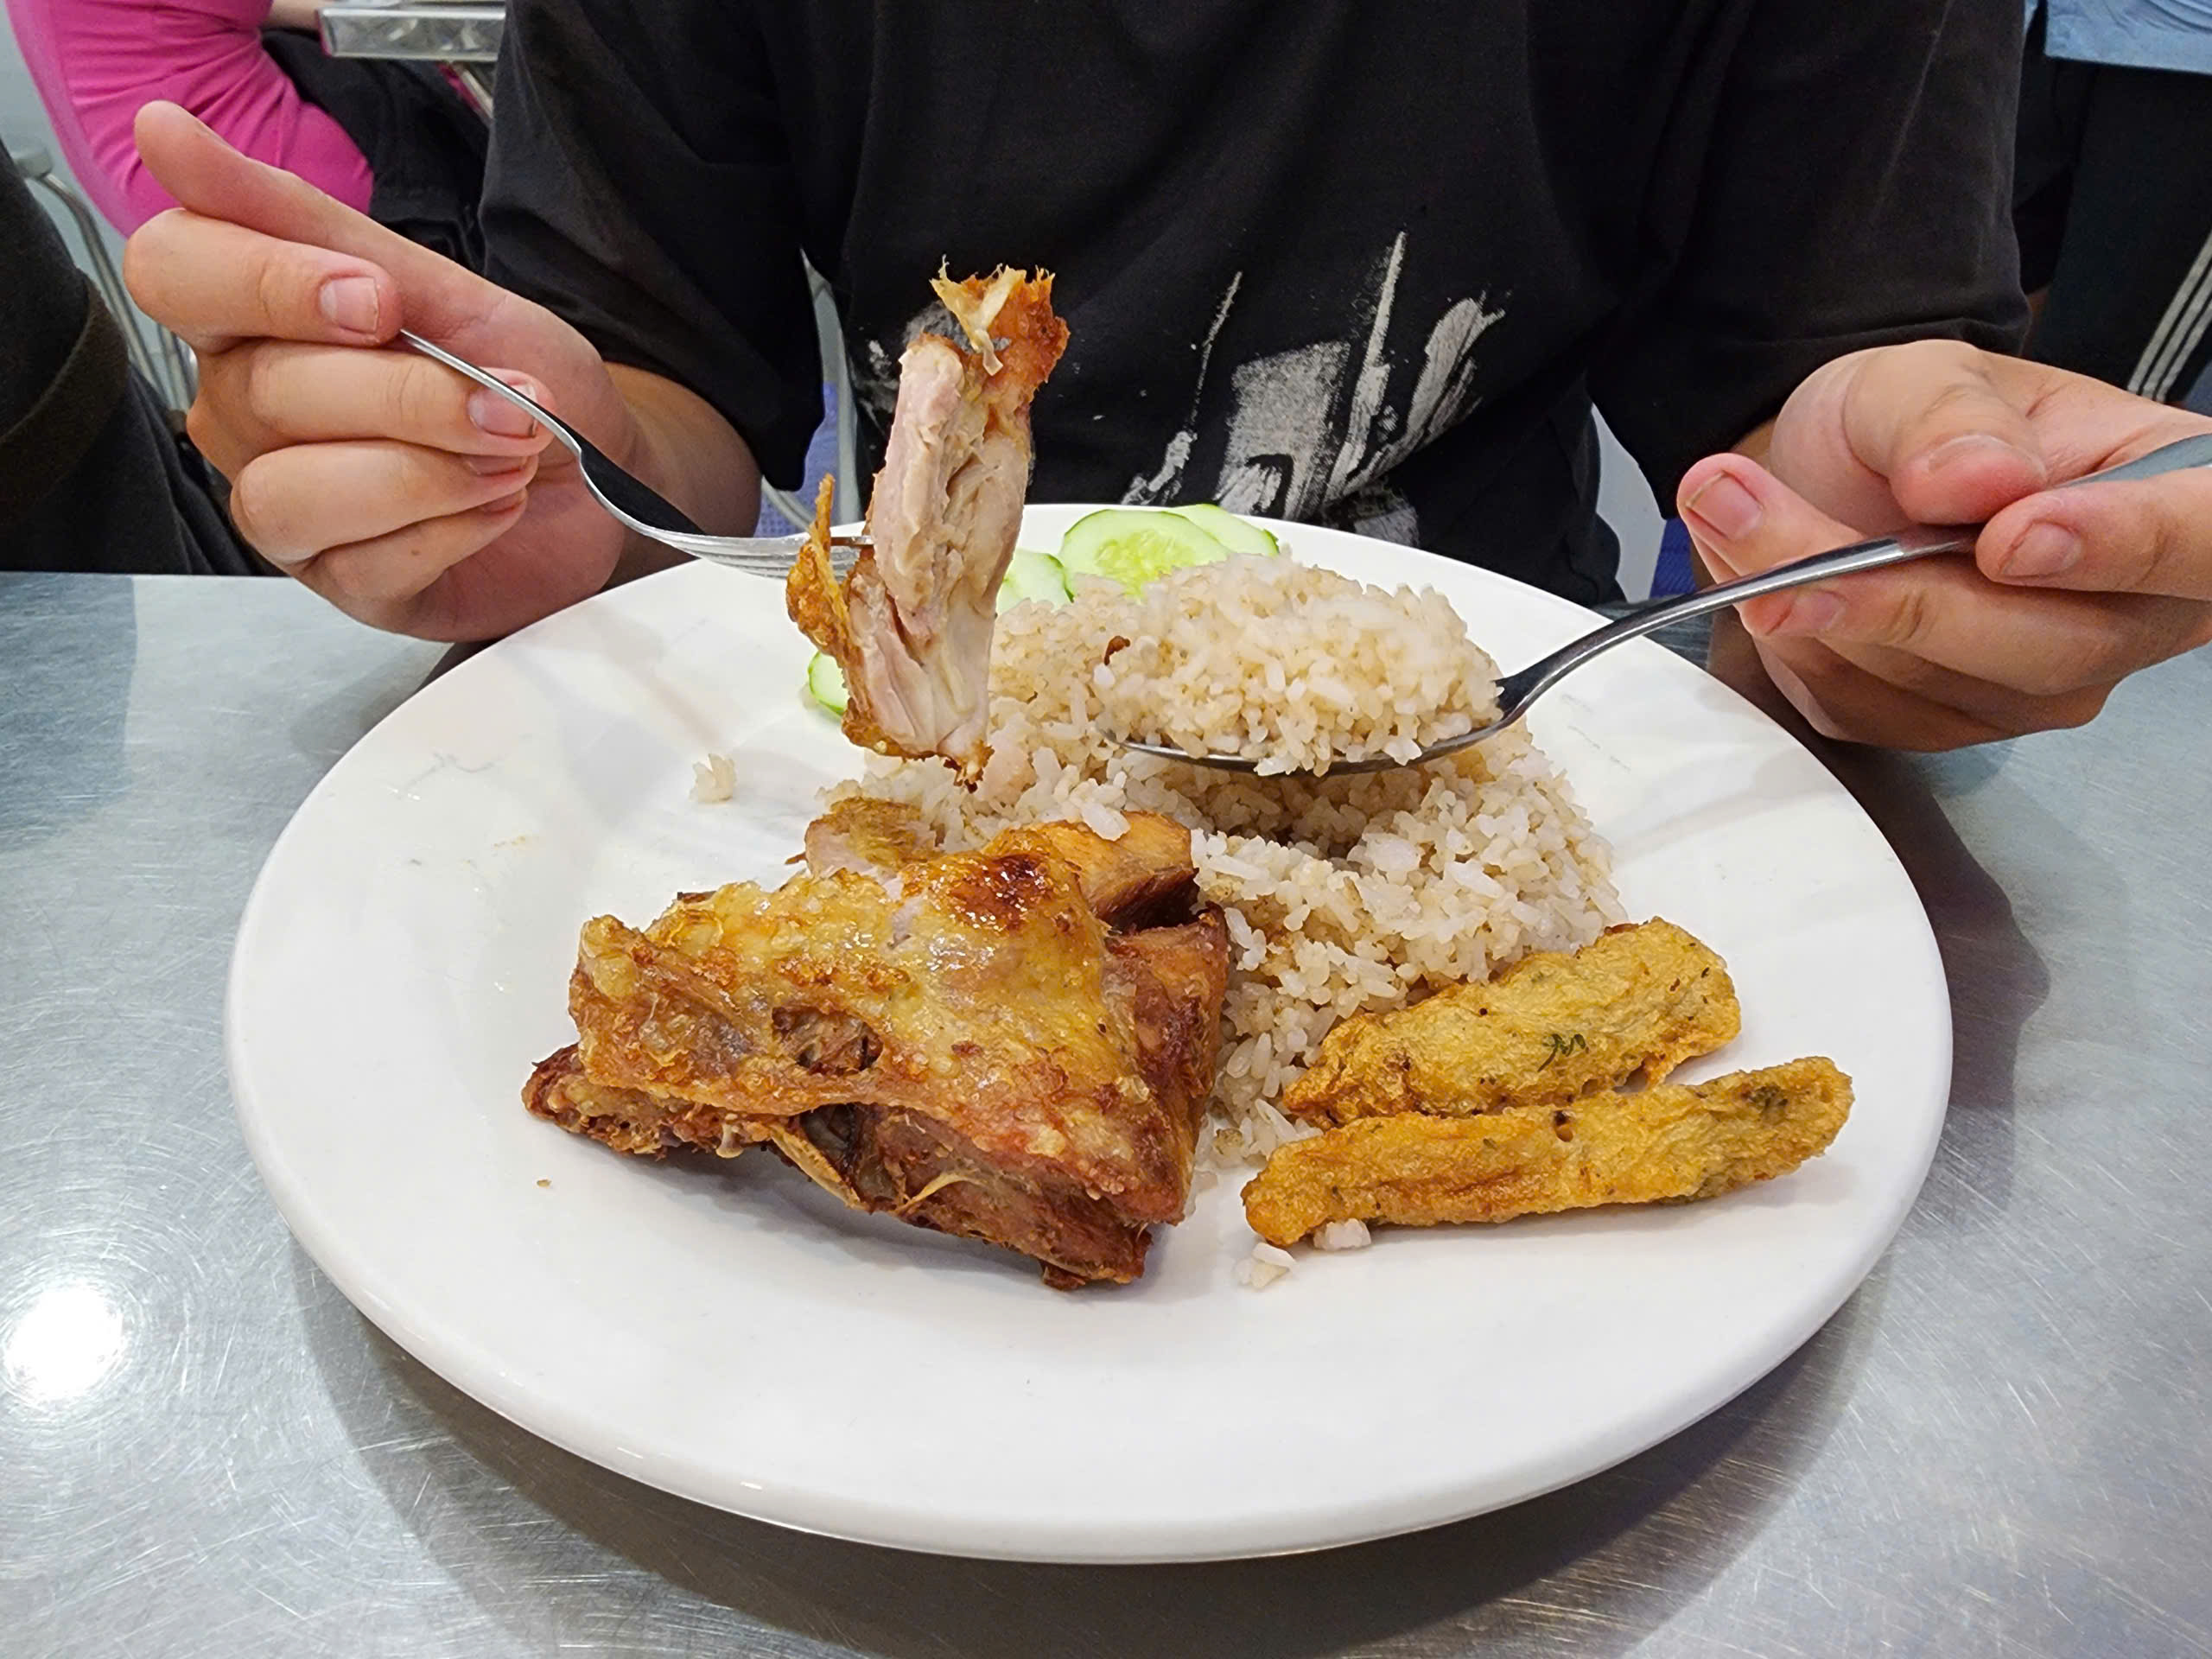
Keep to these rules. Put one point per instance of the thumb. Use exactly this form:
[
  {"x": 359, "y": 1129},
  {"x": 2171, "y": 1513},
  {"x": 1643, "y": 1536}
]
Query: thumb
[
  {"x": 1933, "y": 419},
  {"x": 209, "y": 178}
]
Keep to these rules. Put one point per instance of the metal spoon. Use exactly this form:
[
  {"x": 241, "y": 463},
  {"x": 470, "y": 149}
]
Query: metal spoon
[
  {"x": 1516, "y": 692},
  {"x": 630, "y": 502}
]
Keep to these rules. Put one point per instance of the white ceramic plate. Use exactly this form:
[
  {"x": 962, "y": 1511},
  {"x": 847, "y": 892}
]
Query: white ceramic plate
[{"x": 732, "y": 1335}]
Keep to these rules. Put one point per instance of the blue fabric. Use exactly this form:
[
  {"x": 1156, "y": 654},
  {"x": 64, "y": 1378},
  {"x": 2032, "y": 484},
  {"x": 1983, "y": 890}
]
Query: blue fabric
[
  {"x": 821, "y": 460},
  {"x": 2132, "y": 34},
  {"x": 1673, "y": 574}
]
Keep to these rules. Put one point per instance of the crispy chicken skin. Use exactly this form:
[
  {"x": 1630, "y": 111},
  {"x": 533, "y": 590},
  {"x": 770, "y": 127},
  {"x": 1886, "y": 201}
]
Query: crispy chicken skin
[
  {"x": 1147, "y": 874},
  {"x": 911, "y": 626},
  {"x": 960, "y": 1039},
  {"x": 629, "y": 1120},
  {"x": 1664, "y": 1142},
  {"x": 1548, "y": 1031},
  {"x": 862, "y": 833}
]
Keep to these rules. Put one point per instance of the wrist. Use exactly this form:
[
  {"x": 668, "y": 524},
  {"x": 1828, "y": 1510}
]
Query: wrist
[{"x": 678, "y": 444}]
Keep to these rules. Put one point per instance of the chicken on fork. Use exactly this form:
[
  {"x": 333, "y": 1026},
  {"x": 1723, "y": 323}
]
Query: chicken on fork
[{"x": 911, "y": 626}]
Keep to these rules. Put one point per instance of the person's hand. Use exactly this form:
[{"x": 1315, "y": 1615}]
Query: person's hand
[
  {"x": 296, "y": 14},
  {"x": 2068, "y": 592},
  {"x": 390, "y": 485}
]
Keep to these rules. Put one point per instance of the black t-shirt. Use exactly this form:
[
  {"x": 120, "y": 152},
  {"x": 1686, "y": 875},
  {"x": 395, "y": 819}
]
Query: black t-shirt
[
  {"x": 1365, "y": 262},
  {"x": 91, "y": 478}
]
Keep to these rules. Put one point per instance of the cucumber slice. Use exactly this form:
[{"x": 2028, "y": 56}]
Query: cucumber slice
[
  {"x": 1033, "y": 576},
  {"x": 1225, "y": 527},
  {"x": 1133, "y": 545},
  {"x": 825, "y": 683}
]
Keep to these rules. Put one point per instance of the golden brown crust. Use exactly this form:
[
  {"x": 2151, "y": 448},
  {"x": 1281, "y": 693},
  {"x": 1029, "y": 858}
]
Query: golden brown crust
[
  {"x": 1032, "y": 338},
  {"x": 956, "y": 1039},
  {"x": 1146, "y": 875},
  {"x": 812, "y": 595},
  {"x": 863, "y": 832},
  {"x": 1548, "y": 1031},
  {"x": 1665, "y": 1143},
  {"x": 628, "y": 1120}
]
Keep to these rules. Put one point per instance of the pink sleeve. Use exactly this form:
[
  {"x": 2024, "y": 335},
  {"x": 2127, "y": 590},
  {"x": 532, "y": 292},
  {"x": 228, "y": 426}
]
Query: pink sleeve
[{"x": 96, "y": 61}]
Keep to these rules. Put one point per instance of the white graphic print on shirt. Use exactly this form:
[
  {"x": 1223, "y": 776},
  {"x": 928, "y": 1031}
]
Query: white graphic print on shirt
[
  {"x": 1308, "y": 433},
  {"x": 1312, "y": 431}
]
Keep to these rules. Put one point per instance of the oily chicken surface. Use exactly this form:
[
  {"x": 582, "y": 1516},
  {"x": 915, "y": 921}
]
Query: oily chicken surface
[{"x": 964, "y": 1039}]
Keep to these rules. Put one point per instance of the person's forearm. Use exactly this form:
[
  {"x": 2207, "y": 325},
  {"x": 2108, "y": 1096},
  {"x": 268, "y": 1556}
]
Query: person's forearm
[
  {"x": 688, "y": 452},
  {"x": 296, "y": 14}
]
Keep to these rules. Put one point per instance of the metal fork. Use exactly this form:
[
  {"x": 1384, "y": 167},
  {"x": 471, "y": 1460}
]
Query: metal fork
[
  {"x": 1516, "y": 692},
  {"x": 630, "y": 502}
]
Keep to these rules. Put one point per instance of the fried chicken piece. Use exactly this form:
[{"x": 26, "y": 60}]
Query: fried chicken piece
[
  {"x": 1548, "y": 1031},
  {"x": 1145, "y": 875},
  {"x": 633, "y": 1120},
  {"x": 860, "y": 833},
  {"x": 923, "y": 1168},
  {"x": 911, "y": 624},
  {"x": 1664, "y": 1142},
  {"x": 1143, "y": 878},
  {"x": 956, "y": 1037}
]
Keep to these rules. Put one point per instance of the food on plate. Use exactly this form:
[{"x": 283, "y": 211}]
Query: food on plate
[
  {"x": 825, "y": 683},
  {"x": 910, "y": 627},
  {"x": 1669, "y": 1142},
  {"x": 1238, "y": 535},
  {"x": 1135, "y": 546},
  {"x": 1342, "y": 895},
  {"x": 874, "y": 836},
  {"x": 1023, "y": 963},
  {"x": 714, "y": 780},
  {"x": 1545, "y": 1032},
  {"x": 1014, "y": 1043},
  {"x": 1294, "y": 667},
  {"x": 636, "y": 1120},
  {"x": 1030, "y": 576}
]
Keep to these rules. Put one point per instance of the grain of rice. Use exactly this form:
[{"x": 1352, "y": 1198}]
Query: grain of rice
[
  {"x": 1342, "y": 1236},
  {"x": 1265, "y": 1264},
  {"x": 714, "y": 779}
]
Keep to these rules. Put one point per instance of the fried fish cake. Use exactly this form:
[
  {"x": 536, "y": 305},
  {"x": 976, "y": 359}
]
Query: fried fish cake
[
  {"x": 1665, "y": 1143},
  {"x": 1548, "y": 1031}
]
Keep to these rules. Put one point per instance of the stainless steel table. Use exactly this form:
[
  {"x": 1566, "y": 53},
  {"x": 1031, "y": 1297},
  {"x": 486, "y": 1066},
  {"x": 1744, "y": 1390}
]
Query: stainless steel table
[{"x": 2002, "y": 1445}]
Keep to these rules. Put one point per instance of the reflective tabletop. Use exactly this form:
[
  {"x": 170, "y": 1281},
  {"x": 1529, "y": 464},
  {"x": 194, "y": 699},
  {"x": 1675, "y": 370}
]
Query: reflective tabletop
[{"x": 2001, "y": 1445}]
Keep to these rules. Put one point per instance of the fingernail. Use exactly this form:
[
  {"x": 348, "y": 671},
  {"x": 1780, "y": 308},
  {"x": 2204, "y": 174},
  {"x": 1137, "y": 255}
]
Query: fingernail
[
  {"x": 1971, "y": 446},
  {"x": 505, "y": 504},
  {"x": 2045, "y": 550},
  {"x": 490, "y": 466},
  {"x": 1813, "y": 612},
  {"x": 350, "y": 302},
  {"x": 494, "y": 414},
  {"x": 1726, "y": 506}
]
